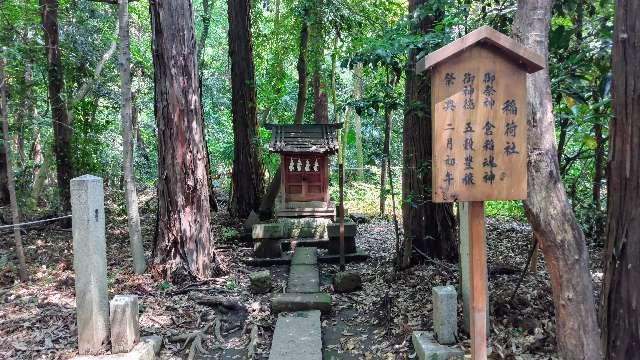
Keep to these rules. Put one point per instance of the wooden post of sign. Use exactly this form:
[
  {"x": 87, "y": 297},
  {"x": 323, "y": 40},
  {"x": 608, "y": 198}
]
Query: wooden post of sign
[{"x": 478, "y": 255}]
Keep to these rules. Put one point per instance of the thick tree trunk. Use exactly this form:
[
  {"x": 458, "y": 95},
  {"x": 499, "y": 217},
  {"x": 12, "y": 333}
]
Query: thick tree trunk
[
  {"x": 321, "y": 103},
  {"x": 61, "y": 126},
  {"x": 427, "y": 226},
  {"x": 126, "y": 114},
  {"x": 248, "y": 173},
  {"x": 15, "y": 212},
  {"x": 621, "y": 293},
  {"x": 269, "y": 199},
  {"x": 183, "y": 243},
  {"x": 547, "y": 206}
]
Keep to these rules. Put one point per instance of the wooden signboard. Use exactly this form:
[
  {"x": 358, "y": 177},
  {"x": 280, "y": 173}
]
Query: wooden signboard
[
  {"x": 479, "y": 130},
  {"x": 479, "y": 124}
]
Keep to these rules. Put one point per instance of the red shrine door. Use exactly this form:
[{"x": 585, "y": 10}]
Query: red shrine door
[{"x": 305, "y": 178}]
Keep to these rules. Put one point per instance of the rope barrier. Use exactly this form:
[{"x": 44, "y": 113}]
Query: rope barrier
[{"x": 4, "y": 227}]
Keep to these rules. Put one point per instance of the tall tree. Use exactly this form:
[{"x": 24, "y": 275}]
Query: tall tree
[
  {"x": 248, "y": 172},
  {"x": 59, "y": 115},
  {"x": 547, "y": 207},
  {"x": 620, "y": 294},
  {"x": 429, "y": 227},
  {"x": 183, "y": 243},
  {"x": 15, "y": 212},
  {"x": 269, "y": 199},
  {"x": 126, "y": 117},
  {"x": 321, "y": 101}
]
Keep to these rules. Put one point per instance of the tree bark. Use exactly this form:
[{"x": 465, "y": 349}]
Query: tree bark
[
  {"x": 547, "y": 207},
  {"x": 269, "y": 199},
  {"x": 15, "y": 212},
  {"x": 61, "y": 126},
  {"x": 427, "y": 226},
  {"x": 320, "y": 99},
  {"x": 126, "y": 117},
  {"x": 183, "y": 243},
  {"x": 620, "y": 294},
  {"x": 248, "y": 172}
]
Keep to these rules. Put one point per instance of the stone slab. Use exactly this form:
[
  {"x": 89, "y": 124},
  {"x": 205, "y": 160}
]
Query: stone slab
[
  {"x": 267, "y": 231},
  {"x": 305, "y": 256},
  {"x": 267, "y": 248},
  {"x": 297, "y": 336},
  {"x": 428, "y": 349},
  {"x": 301, "y": 302},
  {"x": 144, "y": 350},
  {"x": 303, "y": 279},
  {"x": 445, "y": 314}
]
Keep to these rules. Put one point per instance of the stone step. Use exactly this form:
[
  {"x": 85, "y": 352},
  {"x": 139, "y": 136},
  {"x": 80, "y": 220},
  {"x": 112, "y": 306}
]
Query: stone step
[
  {"x": 301, "y": 302},
  {"x": 297, "y": 336},
  {"x": 303, "y": 279},
  {"x": 305, "y": 256}
]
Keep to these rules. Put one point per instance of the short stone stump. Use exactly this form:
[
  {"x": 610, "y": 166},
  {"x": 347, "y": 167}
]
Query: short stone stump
[
  {"x": 427, "y": 348},
  {"x": 350, "y": 230},
  {"x": 267, "y": 240}
]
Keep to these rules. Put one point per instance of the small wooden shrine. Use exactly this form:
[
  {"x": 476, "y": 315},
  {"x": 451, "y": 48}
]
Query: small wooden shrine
[{"x": 304, "y": 151}]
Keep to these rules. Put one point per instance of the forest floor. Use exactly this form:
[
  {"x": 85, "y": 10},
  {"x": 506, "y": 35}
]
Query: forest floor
[{"x": 37, "y": 319}]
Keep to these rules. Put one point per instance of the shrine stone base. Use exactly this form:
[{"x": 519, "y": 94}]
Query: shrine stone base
[{"x": 310, "y": 228}]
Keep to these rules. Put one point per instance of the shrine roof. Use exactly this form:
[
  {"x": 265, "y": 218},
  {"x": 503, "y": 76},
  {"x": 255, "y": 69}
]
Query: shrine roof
[
  {"x": 527, "y": 59},
  {"x": 304, "y": 138}
]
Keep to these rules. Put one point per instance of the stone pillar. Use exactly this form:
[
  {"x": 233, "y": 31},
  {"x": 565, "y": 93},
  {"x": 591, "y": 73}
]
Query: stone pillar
[
  {"x": 465, "y": 263},
  {"x": 125, "y": 332},
  {"x": 90, "y": 264},
  {"x": 445, "y": 318}
]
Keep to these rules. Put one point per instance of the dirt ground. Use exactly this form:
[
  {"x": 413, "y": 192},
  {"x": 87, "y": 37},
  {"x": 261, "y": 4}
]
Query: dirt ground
[{"x": 37, "y": 319}]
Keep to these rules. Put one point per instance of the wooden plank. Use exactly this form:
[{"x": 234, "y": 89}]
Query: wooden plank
[
  {"x": 526, "y": 59},
  {"x": 479, "y": 141},
  {"x": 478, "y": 256}
]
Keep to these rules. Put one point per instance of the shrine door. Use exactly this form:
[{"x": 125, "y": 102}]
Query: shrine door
[{"x": 305, "y": 178}]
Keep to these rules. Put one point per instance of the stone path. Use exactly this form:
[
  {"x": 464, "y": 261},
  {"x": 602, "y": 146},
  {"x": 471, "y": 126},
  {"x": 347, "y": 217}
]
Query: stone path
[{"x": 298, "y": 334}]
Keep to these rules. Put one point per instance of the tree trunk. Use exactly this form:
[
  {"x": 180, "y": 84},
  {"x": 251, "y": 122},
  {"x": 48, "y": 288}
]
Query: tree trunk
[
  {"x": 388, "y": 114},
  {"x": 620, "y": 294},
  {"x": 248, "y": 173},
  {"x": 598, "y": 167},
  {"x": 22, "y": 266},
  {"x": 183, "y": 243},
  {"x": 269, "y": 199},
  {"x": 61, "y": 126},
  {"x": 321, "y": 103},
  {"x": 4, "y": 181},
  {"x": 126, "y": 114},
  {"x": 427, "y": 226},
  {"x": 547, "y": 206},
  {"x": 357, "y": 121}
]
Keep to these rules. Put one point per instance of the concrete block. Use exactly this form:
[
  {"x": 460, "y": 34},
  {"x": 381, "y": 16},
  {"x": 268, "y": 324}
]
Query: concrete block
[
  {"x": 90, "y": 264},
  {"x": 123, "y": 315},
  {"x": 267, "y": 231},
  {"x": 297, "y": 336},
  {"x": 350, "y": 229},
  {"x": 301, "y": 302},
  {"x": 260, "y": 282},
  {"x": 445, "y": 320},
  {"x": 310, "y": 228},
  {"x": 347, "y": 281},
  {"x": 428, "y": 349}
]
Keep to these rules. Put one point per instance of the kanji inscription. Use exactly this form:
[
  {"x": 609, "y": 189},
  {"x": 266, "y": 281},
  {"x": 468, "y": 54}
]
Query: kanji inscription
[{"x": 479, "y": 127}]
